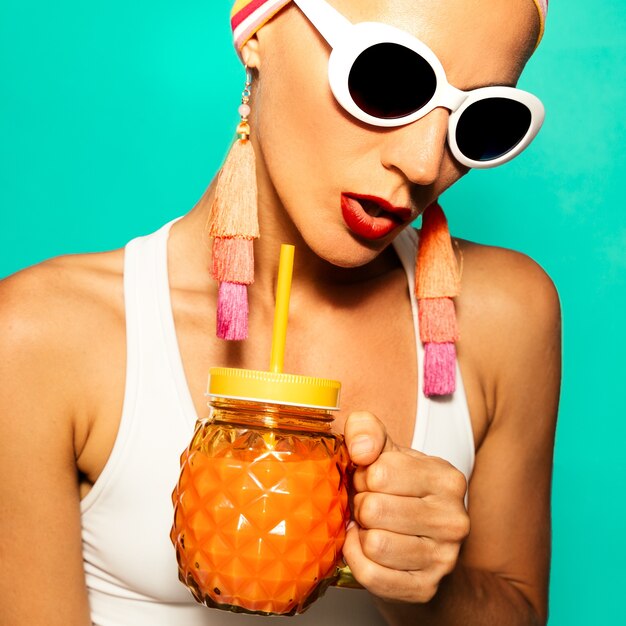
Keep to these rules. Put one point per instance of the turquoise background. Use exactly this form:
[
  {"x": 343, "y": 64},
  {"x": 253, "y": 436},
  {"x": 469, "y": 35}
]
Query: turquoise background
[{"x": 113, "y": 116}]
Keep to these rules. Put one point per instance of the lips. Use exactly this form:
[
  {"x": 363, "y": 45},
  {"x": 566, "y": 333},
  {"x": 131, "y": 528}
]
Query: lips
[{"x": 371, "y": 217}]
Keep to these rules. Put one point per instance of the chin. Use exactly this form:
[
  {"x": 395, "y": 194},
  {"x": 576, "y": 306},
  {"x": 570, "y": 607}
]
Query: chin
[{"x": 345, "y": 250}]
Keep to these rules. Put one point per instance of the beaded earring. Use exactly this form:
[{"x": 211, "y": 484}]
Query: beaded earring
[
  {"x": 233, "y": 224},
  {"x": 437, "y": 282}
]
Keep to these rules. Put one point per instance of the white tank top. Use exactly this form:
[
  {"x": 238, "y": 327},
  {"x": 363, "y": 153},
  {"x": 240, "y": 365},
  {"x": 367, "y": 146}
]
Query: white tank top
[{"x": 129, "y": 561}]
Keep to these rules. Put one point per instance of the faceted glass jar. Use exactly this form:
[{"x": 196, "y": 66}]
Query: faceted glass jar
[{"x": 261, "y": 507}]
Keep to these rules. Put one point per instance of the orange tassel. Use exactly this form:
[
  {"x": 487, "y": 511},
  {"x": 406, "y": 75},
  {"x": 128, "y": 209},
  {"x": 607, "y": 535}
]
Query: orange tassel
[
  {"x": 436, "y": 270},
  {"x": 437, "y": 320},
  {"x": 233, "y": 260},
  {"x": 234, "y": 209}
]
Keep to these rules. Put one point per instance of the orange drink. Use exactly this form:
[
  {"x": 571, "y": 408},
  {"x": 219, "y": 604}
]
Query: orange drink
[
  {"x": 261, "y": 507},
  {"x": 260, "y": 524}
]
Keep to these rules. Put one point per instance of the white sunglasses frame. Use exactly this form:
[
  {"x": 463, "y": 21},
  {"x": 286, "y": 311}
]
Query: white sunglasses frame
[{"x": 348, "y": 41}]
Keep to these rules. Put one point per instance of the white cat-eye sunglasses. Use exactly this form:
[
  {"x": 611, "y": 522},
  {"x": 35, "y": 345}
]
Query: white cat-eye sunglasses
[{"x": 386, "y": 77}]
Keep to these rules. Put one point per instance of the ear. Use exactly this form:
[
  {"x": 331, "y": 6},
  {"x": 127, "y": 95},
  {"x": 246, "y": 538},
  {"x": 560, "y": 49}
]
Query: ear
[{"x": 250, "y": 53}]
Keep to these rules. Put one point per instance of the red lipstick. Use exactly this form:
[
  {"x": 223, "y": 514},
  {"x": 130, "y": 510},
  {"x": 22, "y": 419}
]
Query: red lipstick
[{"x": 371, "y": 217}]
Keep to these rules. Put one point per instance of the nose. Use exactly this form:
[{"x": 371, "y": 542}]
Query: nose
[{"x": 417, "y": 149}]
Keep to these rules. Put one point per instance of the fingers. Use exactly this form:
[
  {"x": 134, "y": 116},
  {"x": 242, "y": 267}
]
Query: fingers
[
  {"x": 411, "y": 516},
  {"x": 398, "y": 567},
  {"x": 388, "y": 582},
  {"x": 400, "y": 552},
  {"x": 410, "y": 473},
  {"x": 366, "y": 437},
  {"x": 398, "y": 514}
]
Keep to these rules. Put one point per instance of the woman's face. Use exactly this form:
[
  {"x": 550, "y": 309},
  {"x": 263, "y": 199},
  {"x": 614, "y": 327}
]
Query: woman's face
[{"x": 310, "y": 151}]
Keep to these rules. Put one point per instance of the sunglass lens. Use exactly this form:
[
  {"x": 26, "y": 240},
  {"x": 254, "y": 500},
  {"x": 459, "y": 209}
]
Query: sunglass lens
[
  {"x": 490, "y": 128},
  {"x": 389, "y": 81}
]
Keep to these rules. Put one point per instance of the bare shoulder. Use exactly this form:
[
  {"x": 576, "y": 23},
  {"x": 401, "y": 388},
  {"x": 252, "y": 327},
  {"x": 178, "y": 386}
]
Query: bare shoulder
[
  {"x": 510, "y": 324},
  {"x": 62, "y": 276},
  {"x": 52, "y": 313},
  {"x": 54, "y": 299},
  {"x": 507, "y": 284},
  {"x": 506, "y": 296}
]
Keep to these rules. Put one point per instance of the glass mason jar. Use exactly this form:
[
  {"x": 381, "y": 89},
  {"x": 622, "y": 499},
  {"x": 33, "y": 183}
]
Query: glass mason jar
[{"x": 261, "y": 506}]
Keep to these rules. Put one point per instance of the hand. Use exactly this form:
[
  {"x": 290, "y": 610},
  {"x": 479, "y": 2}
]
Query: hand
[{"x": 409, "y": 514}]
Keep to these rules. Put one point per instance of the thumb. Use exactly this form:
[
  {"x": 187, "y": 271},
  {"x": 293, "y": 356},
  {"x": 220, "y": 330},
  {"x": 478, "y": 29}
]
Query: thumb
[{"x": 366, "y": 437}]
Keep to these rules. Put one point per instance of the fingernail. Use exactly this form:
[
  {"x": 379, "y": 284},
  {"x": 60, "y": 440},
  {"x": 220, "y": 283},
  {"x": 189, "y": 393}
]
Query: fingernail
[
  {"x": 361, "y": 445},
  {"x": 352, "y": 524}
]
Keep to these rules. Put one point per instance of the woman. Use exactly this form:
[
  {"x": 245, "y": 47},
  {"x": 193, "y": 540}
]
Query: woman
[{"x": 109, "y": 352}]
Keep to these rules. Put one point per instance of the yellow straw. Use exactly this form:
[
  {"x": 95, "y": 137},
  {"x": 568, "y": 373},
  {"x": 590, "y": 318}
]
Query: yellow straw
[{"x": 281, "y": 312}]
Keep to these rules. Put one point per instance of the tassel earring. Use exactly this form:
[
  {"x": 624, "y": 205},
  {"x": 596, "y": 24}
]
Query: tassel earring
[
  {"x": 437, "y": 281},
  {"x": 233, "y": 224}
]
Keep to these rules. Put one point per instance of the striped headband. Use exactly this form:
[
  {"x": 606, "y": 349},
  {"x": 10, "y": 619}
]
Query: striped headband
[{"x": 247, "y": 16}]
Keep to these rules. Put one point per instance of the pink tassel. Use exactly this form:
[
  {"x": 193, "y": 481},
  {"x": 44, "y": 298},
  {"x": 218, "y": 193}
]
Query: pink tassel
[
  {"x": 233, "y": 260},
  {"x": 437, "y": 319},
  {"x": 232, "y": 311},
  {"x": 439, "y": 369}
]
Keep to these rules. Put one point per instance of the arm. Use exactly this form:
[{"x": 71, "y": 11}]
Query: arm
[
  {"x": 41, "y": 579},
  {"x": 410, "y": 526}
]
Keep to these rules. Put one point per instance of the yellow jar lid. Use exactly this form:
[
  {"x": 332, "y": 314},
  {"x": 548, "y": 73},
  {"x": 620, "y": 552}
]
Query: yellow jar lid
[{"x": 274, "y": 387}]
